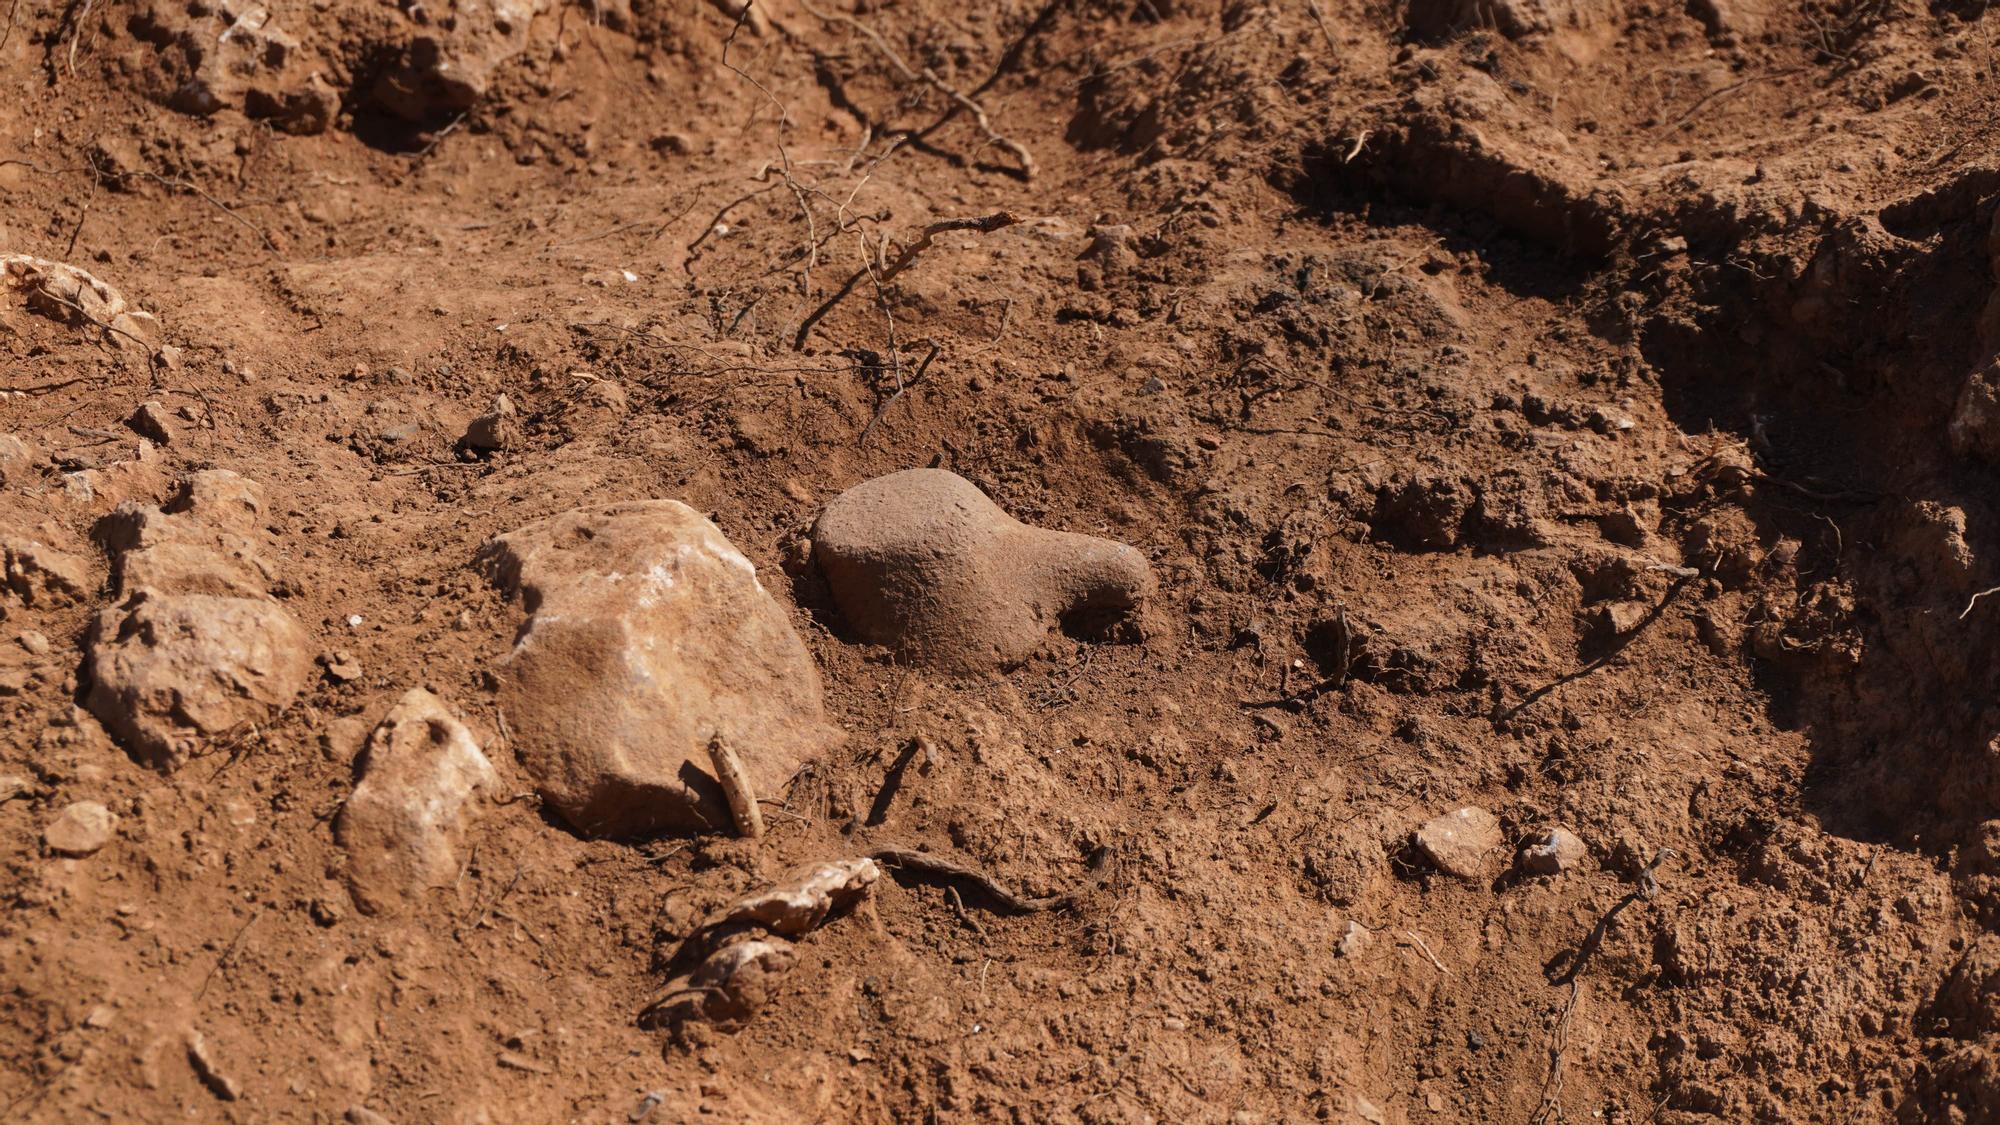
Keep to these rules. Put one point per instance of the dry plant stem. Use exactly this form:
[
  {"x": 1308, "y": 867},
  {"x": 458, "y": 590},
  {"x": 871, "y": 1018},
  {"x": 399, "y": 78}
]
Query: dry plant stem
[
  {"x": 797, "y": 189},
  {"x": 216, "y": 203},
  {"x": 1975, "y": 601},
  {"x": 929, "y": 77},
  {"x": 1425, "y": 948},
  {"x": 76, "y": 34},
  {"x": 1319, "y": 17},
  {"x": 736, "y": 787},
  {"x": 891, "y": 400},
  {"x": 151, "y": 352},
  {"x": 227, "y": 954},
  {"x": 978, "y": 113},
  {"x": 936, "y": 865},
  {"x": 985, "y": 224},
  {"x": 45, "y": 388},
  {"x": 12, "y": 8}
]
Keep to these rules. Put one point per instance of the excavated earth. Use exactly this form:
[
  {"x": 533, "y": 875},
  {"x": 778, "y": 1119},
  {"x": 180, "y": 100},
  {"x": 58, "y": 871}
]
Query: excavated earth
[{"x": 1580, "y": 412}]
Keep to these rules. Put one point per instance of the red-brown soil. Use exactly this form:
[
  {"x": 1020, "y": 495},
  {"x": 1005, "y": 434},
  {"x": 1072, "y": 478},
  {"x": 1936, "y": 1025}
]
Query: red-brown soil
[{"x": 1577, "y": 409}]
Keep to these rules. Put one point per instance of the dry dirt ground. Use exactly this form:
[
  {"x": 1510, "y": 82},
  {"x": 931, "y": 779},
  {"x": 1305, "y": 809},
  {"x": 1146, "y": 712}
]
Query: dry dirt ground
[{"x": 1575, "y": 409}]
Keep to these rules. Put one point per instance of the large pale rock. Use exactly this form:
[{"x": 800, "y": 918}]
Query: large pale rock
[
  {"x": 194, "y": 647},
  {"x": 1465, "y": 844},
  {"x": 649, "y": 636},
  {"x": 403, "y": 823},
  {"x": 40, "y": 575},
  {"x": 169, "y": 670},
  {"x": 923, "y": 562},
  {"x": 152, "y": 549},
  {"x": 81, "y": 829}
]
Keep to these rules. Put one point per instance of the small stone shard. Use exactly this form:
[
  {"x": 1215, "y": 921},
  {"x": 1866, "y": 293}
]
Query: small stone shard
[
  {"x": 727, "y": 987},
  {"x": 1554, "y": 853},
  {"x": 740, "y": 951},
  {"x": 923, "y": 562},
  {"x": 1622, "y": 619},
  {"x": 152, "y": 421},
  {"x": 1463, "y": 844},
  {"x": 420, "y": 771},
  {"x": 81, "y": 829},
  {"x": 341, "y": 666},
  {"x": 209, "y": 1071},
  {"x": 495, "y": 430}
]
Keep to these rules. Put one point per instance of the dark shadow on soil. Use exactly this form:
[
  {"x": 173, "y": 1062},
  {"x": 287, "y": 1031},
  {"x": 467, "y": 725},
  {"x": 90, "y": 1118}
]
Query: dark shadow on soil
[{"x": 1866, "y": 523}]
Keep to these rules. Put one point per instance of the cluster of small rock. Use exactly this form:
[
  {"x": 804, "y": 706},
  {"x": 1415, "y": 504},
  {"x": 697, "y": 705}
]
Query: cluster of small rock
[
  {"x": 648, "y": 643},
  {"x": 1468, "y": 844},
  {"x": 193, "y": 645}
]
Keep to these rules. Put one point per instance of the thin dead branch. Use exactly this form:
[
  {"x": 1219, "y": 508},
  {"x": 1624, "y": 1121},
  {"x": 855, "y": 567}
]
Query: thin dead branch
[
  {"x": 1975, "y": 601},
  {"x": 984, "y": 224},
  {"x": 891, "y": 400},
  {"x": 948, "y": 869},
  {"x": 958, "y": 98}
]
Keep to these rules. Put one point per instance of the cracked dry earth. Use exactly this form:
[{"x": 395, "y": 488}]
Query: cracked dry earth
[{"x": 1545, "y": 676}]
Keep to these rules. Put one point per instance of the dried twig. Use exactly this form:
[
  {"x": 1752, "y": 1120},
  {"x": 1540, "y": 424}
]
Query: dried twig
[
  {"x": 993, "y": 136},
  {"x": 948, "y": 869},
  {"x": 1319, "y": 17},
  {"x": 1975, "y": 601},
  {"x": 214, "y": 202},
  {"x": 891, "y": 400},
  {"x": 45, "y": 388},
  {"x": 1729, "y": 89},
  {"x": 797, "y": 189},
  {"x": 227, "y": 954},
  {"x": 13, "y": 7},
  {"x": 1550, "y": 1109},
  {"x": 76, "y": 33},
  {"x": 984, "y": 224},
  {"x": 1418, "y": 941},
  {"x": 1645, "y": 623}
]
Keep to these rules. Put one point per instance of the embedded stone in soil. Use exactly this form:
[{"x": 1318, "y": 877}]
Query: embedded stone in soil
[
  {"x": 649, "y": 635},
  {"x": 923, "y": 562}
]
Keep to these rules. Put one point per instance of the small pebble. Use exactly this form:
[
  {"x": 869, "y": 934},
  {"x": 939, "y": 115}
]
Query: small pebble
[
  {"x": 1555, "y": 852},
  {"x": 210, "y": 1073},
  {"x": 81, "y": 829}
]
